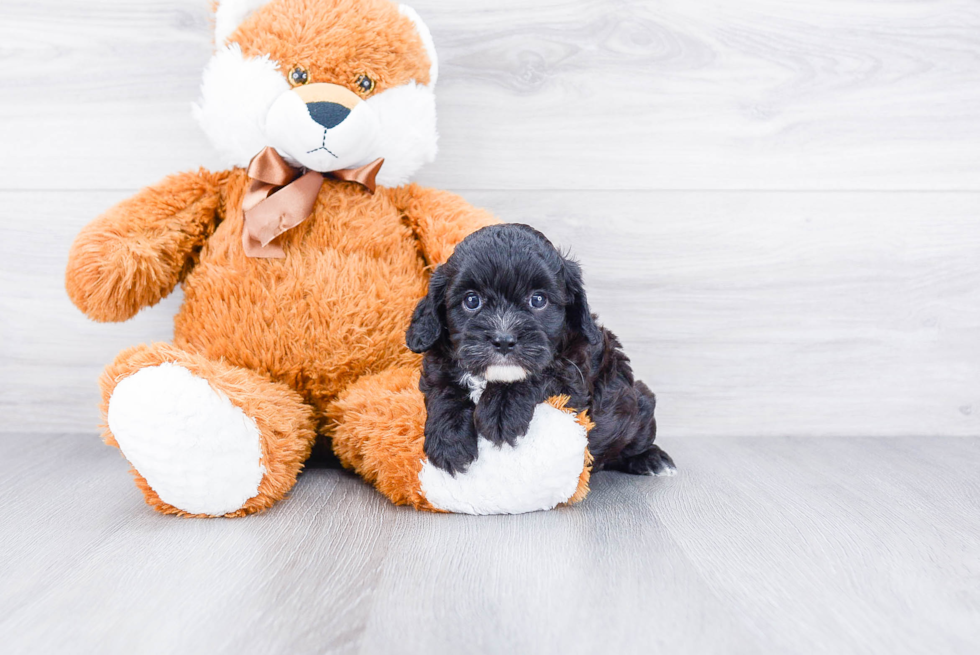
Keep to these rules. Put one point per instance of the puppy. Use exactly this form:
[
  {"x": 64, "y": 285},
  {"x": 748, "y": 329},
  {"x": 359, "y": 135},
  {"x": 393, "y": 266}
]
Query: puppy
[{"x": 504, "y": 326}]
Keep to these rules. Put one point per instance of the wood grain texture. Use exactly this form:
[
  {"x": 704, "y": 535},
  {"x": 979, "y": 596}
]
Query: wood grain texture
[
  {"x": 755, "y": 314},
  {"x": 750, "y": 313},
  {"x": 758, "y": 545},
  {"x": 555, "y": 94}
]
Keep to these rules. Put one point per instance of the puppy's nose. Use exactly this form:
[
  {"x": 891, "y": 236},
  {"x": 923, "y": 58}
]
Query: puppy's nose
[
  {"x": 504, "y": 342},
  {"x": 328, "y": 114}
]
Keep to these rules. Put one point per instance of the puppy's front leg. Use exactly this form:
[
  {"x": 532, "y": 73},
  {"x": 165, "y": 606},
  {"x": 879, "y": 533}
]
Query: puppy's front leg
[
  {"x": 505, "y": 410},
  {"x": 450, "y": 436}
]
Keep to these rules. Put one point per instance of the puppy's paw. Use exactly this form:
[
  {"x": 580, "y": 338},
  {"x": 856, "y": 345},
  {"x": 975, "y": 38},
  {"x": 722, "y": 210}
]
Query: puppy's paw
[
  {"x": 505, "y": 412},
  {"x": 453, "y": 459},
  {"x": 452, "y": 453},
  {"x": 650, "y": 462},
  {"x": 500, "y": 426}
]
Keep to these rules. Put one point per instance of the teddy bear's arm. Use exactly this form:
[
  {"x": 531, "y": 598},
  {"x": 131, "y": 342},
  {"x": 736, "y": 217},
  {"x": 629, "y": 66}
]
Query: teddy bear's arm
[
  {"x": 439, "y": 219},
  {"x": 135, "y": 254}
]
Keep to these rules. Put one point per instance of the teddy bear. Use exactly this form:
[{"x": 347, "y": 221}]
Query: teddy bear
[{"x": 300, "y": 266}]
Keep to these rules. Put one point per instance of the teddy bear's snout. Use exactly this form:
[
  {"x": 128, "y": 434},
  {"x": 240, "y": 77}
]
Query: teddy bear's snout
[
  {"x": 329, "y": 104},
  {"x": 324, "y": 127}
]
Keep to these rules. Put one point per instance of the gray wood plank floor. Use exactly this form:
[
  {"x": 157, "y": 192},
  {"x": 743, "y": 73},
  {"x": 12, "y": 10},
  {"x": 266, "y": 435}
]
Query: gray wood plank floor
[{"x": 759, "y": 545}]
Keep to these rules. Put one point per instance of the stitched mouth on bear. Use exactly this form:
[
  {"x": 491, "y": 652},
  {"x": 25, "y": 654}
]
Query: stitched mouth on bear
[{"x": 323, "y": 146}]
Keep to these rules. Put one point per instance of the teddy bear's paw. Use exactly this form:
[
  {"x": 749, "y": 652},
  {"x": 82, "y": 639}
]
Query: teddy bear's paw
[
  {"x": 198, "y": 451},
  {"x": 540, "y": 472}
]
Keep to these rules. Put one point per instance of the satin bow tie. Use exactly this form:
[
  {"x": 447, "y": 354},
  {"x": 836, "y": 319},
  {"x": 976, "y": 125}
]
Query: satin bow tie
[{"x": 280, "y": 197}]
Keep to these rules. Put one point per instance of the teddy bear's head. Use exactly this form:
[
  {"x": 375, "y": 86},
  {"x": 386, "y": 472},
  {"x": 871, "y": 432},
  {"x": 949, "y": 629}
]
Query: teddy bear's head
[{"x": 330, "y": 84}]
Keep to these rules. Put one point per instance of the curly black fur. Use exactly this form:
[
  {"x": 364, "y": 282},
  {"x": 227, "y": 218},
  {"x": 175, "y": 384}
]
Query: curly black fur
[{"x": 533, "y": 319}]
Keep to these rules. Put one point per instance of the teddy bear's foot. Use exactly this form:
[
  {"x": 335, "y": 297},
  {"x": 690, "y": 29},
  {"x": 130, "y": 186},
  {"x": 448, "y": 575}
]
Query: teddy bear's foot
[
  {"x": 542, "y": 470},
  {"x": 204, "y": 438},
  {"x": 380, "y": 434}
]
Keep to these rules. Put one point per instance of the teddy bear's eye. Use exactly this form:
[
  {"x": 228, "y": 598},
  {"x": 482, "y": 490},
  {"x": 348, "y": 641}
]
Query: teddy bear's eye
[
  {"x": 298, "y": 76},
  {"x": 364, "y": 84}
]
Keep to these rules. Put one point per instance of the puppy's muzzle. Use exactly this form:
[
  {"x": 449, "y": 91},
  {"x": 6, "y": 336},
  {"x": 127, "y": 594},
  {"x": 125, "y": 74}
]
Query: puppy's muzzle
[{"x": 505, "y": 370}]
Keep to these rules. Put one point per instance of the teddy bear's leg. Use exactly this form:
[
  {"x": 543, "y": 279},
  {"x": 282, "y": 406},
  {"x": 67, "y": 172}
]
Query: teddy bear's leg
[
  {"x": 205, "y": 438},
  {"x": 379, "y": 427},
  {"x": 379, "y": 423}
]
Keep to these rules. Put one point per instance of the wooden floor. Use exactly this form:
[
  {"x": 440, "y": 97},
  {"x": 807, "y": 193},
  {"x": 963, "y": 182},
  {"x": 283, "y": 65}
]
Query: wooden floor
[{"x": 764, "y": 545}]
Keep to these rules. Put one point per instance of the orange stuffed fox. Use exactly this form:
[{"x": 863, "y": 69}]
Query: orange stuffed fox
[{"x": 300, "y": 266}]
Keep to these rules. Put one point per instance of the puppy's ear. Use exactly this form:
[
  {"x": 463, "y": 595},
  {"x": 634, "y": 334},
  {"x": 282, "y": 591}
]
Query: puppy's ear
[
  {"x": 427, "y": 322},
  {"x": 577, "y": 311}
]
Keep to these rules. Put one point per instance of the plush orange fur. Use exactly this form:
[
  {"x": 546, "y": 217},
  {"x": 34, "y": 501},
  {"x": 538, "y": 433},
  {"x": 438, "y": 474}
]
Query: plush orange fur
[
  {"x": 334, "y": 310},
  {"x": 136, "y": 253},
  {"x": 439, "y": 218},
  {"x": 285, "y": 422},
  {"x": 338, "y": 305},
  {"x": 337, "y": 41},
  {"x": 313, "y": 342},
  {"x": 378, "y": 424}
]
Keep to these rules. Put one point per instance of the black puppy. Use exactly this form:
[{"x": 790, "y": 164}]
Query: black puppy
[{"x": 504, "y": 326}]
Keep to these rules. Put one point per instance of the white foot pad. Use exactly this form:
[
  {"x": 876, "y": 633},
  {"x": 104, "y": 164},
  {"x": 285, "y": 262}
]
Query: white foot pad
[
  {"x": 197, "y": 450},
  {"x": 539, "y": 473}
]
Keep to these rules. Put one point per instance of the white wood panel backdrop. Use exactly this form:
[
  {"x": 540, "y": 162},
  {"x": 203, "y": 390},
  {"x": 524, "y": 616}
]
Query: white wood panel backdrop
[{"x": 776, "y": 202}]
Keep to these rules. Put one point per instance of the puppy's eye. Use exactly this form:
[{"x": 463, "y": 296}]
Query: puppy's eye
[
  {"x": 472, "y": 301},
  {"x": 364, "y": 84},
  {"x": 538, "y": 301},
  {"x": 298, "y": 76}
]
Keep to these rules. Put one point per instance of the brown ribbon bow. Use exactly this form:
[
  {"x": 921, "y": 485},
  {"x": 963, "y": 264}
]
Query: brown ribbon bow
[{"x": 280, "y": 197}]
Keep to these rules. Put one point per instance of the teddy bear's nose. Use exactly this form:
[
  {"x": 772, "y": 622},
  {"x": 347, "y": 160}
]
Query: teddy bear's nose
[
  {"x": 328, "y": 104},
  {"x": 328, "y": 114}
]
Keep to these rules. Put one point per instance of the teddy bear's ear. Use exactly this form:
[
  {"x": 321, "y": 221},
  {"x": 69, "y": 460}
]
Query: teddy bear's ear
[
  {"x": 430, "y": 46},
  {"x": 229, "y": 14}
]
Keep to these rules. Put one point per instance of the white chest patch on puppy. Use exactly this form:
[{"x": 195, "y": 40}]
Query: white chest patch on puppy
[
  {"x": 540, "y": 472},
  {"x": 476, "y": 385},
  {"x": 504, "y": 374}
]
